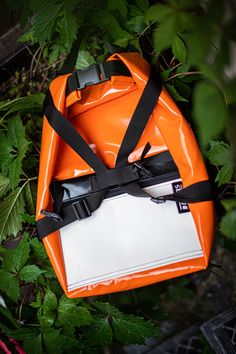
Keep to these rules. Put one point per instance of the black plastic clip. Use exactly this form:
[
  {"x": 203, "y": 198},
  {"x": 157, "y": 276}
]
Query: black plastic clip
[
  {"x": 92, "y": 75},
  {"x": 52, "y": 215},
  {"x": 158, "y": 200},
  {"x": 142, "y": 169},
  {"x": 82, "y": 209}
]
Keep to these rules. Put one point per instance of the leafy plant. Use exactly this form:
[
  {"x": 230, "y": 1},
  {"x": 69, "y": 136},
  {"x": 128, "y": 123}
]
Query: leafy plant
[{"x": 190, "y": 43}]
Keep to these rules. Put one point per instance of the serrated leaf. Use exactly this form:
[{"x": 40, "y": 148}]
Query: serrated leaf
[
  {"x": 11, "y": 209},
  {"x": 210, "y": 111},
  {"x": 120, "y": 5},
  {"x": 55, "y": 342},
  {"x": 23, "y": 104},
  {"x": 9, "y": 284},
  {"x": 159, "y": 13},
  {"x": 30, "y": 273},
  {"x": 84, "y": 59},
  {"x": 228, "y": 225},
  {"x": 34, "y": 345},
  {"x": 219, "y": 153},
  {"x": 68, "y": 28},
  {"x": 132, "y": 329},
  {"x": 45, "y": 19},
  {"x": 100, "y": 332},
  {"x": 15, "y": 259},
  {"x": 179, "y": 49},
  {"x": 29, "y": 219},
  {"x": 14, "y": 147},
  {"x": 106, "y": 21},
  {"x": 136, "y": 24},
  {"x": 229, "y": 204},
  {"x": 48, "y": 313},
  {"x": 8, "y": 318},
  {"x": 142, "y": 5},
  {"x": 38, "y": 249},
  {"x": 25, "y": 333},
  {"x": 70, "y": 315},
  {"x": 50, "y": 301},
  {"x": 166, "y": 32},
  {"x": 4, "y": 184},
  {"x": 225, "y": 174},
  {"x": 107, "y": 309},
  {"x": 174, "y": 93},
  {"x": 29, "y": 199}
]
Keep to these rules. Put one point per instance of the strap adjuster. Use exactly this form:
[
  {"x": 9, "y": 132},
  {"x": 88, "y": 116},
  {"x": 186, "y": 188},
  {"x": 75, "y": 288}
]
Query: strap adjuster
[
  {"x": 92, "y": 75},
  {"x": 82, "y": 209}
]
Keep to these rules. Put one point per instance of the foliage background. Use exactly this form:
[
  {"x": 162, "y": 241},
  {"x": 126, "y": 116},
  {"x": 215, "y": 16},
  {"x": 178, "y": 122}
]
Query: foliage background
[{"x": 191, "y": 42}]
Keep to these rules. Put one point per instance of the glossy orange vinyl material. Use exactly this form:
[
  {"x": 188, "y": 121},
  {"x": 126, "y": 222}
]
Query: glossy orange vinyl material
[{"x": 107, "y": 108}]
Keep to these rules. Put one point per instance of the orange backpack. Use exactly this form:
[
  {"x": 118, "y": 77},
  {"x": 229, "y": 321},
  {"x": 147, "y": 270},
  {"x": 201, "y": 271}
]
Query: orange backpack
[{"x": 124, "y": 198}]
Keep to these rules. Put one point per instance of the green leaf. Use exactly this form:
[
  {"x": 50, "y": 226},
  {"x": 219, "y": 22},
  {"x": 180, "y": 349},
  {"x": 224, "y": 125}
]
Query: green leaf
[
  {"x": 136, "y": 24},
  {"x": 100, "y": 332},
  {"x": 48, "y": 314},
  {"x": 38, "y": 249},
  {"x": 34, "y": 345},
  {"x": 70, "y": 315},
  {"x": 25, "y": 333},
  {"x": 50, "y": 301},
  {"x": 9, "y": 284},
  {"x": 23, "y": 104},
  {"x": 4, "y": 184},
  {"x": 159, "y": 13},
  {"x": 15, "y": 259},
  {"x": 29, "y": 198},
  {"x": 210, "y": 111},
  {"x": 55, "y": 342},
  {"x": 225, "y": 174},
  {"x": 45, "y": 19},
  {"x": 29, "y": 219},
  {"x": 228, "y": 225},
  {"x": 219, "y": 153},
  {"x": 166, "y": 32},
  {"x": 14, "y": 147},
  {"x": 106, "y": 21},
  {"x": 106, "y": 309},
  {"x": 174, "y": 93},
  {"x": 68, "y": 28},
  {"x": 132, "y": 329},
  {"x": 30, "y": 273},
  {"x": 142, "y": 5},
  {"x": 229, "y": 204},
  {"x": 119, "y": 5},
  {"x": 84, "y": 60},
  {"x": 179, "y": 49},
  {"x": 11, "y": 209}
]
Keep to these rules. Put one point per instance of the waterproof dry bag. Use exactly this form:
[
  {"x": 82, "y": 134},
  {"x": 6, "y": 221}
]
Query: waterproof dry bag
[{"x": 124, "y": 198}]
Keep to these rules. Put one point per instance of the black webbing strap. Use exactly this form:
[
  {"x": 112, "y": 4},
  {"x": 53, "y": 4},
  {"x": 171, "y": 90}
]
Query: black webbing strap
[
  {"x": 96, "y": 74},
  {"x": 79, "y": 210},
  {"x": 70, "y": 135},
  {"x": 140, "y": 118},
  {"x": 194, "y": 193}
]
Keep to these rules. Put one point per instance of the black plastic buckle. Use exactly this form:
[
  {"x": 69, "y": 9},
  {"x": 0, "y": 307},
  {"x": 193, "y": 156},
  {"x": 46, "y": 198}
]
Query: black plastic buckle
[
  {"x": 52, "y": 215},
  {"x": 158, "y": 200},
  {"x": 142, "y": 169},
  {"x": 92, "y": 75},
  {"x": 82, "y": 209}
]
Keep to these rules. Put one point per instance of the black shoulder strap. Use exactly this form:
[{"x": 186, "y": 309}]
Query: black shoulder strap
[
  {"x": 140, "y": 118},
  {"x": 69, "y": 134}
]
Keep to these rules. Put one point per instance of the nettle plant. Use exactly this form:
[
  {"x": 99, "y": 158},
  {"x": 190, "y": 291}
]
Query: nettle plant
[{"x": 190, "y": 42}]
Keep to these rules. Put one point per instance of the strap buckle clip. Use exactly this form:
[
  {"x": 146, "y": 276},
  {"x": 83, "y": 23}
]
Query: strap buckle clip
[
  {"x": 82, "y": 209},
  {"x": 92, "y": 75}
]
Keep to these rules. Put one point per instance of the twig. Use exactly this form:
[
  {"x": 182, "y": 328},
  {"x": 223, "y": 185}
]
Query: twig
[{"x": 185, "y": 74}]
